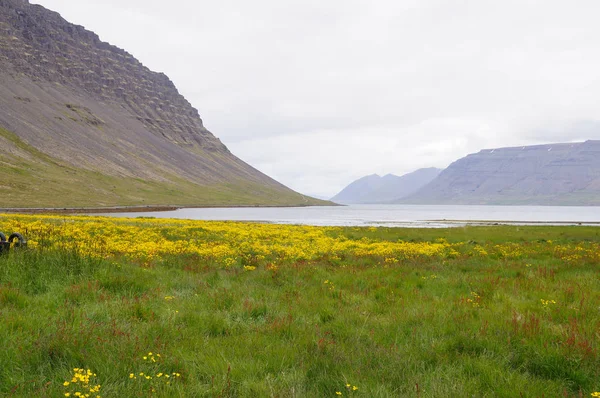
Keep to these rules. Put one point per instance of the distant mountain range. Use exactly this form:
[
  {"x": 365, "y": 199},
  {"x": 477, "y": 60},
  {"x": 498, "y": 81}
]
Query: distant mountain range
[
  {"x": 555, "y": 174},
  {"x": 376, "y": 189}
]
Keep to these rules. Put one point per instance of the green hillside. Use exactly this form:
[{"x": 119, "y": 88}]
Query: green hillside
[{"x": 31, "y": 178}]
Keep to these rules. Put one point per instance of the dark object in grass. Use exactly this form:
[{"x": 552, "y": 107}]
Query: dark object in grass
[
  {"x": 5, "y": 244},
  {"x": 21, "y": 242}
]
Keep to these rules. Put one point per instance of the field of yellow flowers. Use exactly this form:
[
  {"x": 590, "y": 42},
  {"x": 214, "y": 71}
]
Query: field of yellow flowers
[{"x": 102, "y": 307}]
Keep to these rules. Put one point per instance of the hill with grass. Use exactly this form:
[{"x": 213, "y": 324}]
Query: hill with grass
[
  {"x": 554, "y": 174},
  {"x": 377, "y": 189},
  {"x": 83, "y": 123}
]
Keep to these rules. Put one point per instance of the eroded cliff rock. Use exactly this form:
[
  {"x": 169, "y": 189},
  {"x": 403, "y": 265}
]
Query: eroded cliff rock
[
  {"x": 561, "y": 174},
  {"x": 91, "y": 106}
]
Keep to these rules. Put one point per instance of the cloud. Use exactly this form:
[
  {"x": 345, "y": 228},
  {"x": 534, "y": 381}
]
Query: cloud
[
  {"x": 319, "y": 93},
  {"x": 324, "y": 161}
]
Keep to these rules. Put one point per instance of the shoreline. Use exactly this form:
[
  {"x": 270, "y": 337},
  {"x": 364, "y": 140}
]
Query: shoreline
[
  {"x": 423, "y": 223},
  {"x": 137, "y": 209},
  {"x": 87, "y": 210},
  {"x": 512, "y": 222}
]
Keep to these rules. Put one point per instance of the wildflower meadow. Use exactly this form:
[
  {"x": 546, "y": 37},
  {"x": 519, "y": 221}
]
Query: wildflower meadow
[{"x": 103, "y": 307}]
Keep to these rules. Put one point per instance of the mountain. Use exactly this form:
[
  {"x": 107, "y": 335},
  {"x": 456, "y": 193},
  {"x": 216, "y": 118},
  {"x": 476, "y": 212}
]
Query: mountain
[
  {"x": 357, "y": 189},
  {"x": 83, "y": 123},
  {"x": 556, "y": 174},
  {"x": 376, "y": 189}
]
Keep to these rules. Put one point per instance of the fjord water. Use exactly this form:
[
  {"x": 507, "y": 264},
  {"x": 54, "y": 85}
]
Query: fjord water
[{"x": 388, "y": 215}]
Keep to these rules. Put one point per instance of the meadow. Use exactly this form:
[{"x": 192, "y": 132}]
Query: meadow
[{"x": 105, "y": 307}]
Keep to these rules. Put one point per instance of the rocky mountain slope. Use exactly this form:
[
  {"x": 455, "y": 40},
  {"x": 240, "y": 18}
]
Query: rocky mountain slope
[
  {"x": 84, "y": 123},
  {"x": 376, "y": 189},
  {"x": 557, "y": 174}
]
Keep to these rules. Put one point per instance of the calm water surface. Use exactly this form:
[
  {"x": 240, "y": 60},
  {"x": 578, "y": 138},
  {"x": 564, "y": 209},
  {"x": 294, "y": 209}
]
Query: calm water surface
[{"x": 390, "y": 215}]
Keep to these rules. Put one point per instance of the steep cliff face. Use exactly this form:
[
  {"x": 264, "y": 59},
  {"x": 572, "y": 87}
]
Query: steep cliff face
[
  {"x": 91, "y": 107},
  {"x": 386, "y": 189},
  {"x": 541, "y": 174}
]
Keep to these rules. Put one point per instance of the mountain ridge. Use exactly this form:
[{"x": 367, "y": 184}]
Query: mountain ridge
[
  {"x": 91, "y": 108},
  {"x": 376, "y": 189},
  {"x": 547, "y": 174}
]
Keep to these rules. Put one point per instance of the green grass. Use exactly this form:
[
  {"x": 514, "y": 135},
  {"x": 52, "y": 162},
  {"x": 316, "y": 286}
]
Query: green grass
[
  {"x": 412, "y": 329},
  {"x": 34, "y": 179}
]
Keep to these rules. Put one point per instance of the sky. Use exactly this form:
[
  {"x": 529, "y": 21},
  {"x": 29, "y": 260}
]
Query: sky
[{"x": 318, "y": 93}]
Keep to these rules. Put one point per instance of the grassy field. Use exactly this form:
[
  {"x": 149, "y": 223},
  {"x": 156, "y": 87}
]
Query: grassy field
[{"x": 126, "y": 308}]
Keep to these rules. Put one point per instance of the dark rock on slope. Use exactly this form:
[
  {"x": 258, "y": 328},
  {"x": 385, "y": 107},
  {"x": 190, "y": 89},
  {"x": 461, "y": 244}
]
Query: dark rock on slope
[
  {"x": 88, "y": 114},
  {"x": 376, "y": 189},
  {"x": 557, "y": 174}
]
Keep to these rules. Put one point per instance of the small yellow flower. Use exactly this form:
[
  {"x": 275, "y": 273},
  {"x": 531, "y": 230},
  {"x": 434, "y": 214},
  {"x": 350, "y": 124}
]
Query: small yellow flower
[
  {"x": 354, "y": 388},
  {"x": 145, "y": 358},
  {"x": 131, "y": 375},
  {"x": 66, "y": 383},
  {"x": 67, "y": 394},
  {"x": 338, "y": 393}
]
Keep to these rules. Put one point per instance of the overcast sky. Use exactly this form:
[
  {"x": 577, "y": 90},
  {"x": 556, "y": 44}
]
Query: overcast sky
[{"x": 317, "y": 93}]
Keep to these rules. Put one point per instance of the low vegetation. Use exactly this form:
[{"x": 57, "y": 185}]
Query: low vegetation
[
  {"x": 144, "y": 307},
  {"x": 31, "y": 178}
]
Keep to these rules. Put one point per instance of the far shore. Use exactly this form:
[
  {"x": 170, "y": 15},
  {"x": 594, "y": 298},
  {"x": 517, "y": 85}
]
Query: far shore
[
  {"x": 512, "y": 222},
  {"x": 134, "y": 209}
]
